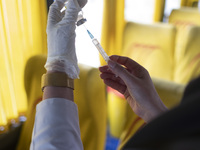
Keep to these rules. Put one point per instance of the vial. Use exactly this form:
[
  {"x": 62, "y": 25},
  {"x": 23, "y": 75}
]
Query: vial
[{"x": 80, "y": 19}]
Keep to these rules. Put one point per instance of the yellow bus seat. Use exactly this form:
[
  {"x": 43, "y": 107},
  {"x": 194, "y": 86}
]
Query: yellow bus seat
[
  {"x": 183, "y": 18},
  {"x": 89, "y": 97},
  {"x": 188, "y": 65},
  {"x": 169, "y": 91},
  {"x": 117, "y": 106},
  {"x": 151, "y": 46},
  {"x": 32, "y": 78}
]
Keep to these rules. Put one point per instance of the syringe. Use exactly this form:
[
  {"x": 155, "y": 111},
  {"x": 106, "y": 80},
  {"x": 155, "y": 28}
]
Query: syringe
[
  {"x": 98, "y": 46},
  {"x": 81, "y": 21}
]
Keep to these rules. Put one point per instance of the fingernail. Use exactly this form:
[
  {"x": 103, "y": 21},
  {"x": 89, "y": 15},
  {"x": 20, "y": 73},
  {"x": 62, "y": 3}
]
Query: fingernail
[{"x": 111, "y": 64}]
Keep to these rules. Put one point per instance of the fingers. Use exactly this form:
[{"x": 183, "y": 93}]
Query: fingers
[
  {"x": 110, "y": 79},
  {"x": 82, "y": 3},
  {"x": 114, "y": 82},
  {"x": 76, "y": 3},
  {"x": 133, "y": 67},
  {"x": 105, "y": 69},
  {"x": 120, "y": 71},
  {"x": 55, "y": 15},
  {"x": 67, "y": 17},
  {"x": 71, "y": 14},
  {"x": 61, "y": 1},
  {"x": 125, "y": 61},
  {"x": 115, "y": 70},
  {"x": 111, "y": 76},
  {"x": 115, "y": 85}
]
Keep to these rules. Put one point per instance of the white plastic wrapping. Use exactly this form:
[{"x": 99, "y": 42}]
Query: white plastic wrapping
[{"x": 61, "y": 38}]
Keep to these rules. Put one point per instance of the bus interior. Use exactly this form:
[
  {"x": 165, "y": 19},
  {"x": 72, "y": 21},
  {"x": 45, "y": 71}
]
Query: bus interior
[{"x": 161, "y": 35}]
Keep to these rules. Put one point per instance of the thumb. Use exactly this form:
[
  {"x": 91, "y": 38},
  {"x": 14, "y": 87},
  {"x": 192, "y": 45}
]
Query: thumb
[{"x": 120, "y": 71}]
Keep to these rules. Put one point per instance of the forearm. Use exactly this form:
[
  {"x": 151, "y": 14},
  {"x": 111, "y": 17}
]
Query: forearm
[
  {"x": 56, "y": 117},
  {"x": 56, "y": 122},
  {"x": 56, "y": 126}
]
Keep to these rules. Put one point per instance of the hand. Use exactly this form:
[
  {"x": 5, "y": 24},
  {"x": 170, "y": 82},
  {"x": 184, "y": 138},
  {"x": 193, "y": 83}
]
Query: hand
[
  {"x": 61, "y": 37},
  {"x": 134, "y": 82}
]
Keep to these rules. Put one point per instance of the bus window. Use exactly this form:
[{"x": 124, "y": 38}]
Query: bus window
[
  {"x": 169, "y": 6},
  {"x": 140, "y": 11},
  {"x": 86, "y": 52}
]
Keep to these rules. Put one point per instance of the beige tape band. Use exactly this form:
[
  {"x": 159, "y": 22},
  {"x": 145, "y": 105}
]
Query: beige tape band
[{"x": 56, "y": 79}]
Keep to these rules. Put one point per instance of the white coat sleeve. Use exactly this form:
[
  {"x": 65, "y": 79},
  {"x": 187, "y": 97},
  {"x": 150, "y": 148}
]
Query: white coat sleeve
[{"x": 56, "y": 126}]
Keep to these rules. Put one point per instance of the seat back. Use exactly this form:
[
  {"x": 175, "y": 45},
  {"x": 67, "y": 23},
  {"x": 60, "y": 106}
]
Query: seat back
[
  {"x": 188, "y": 63},
  {"x": 184, "y": 19},
  {"x": 117, "y": 107},
  {"x": 32, "y": 78},
  {"x": 89, "y": 96},
  {"x": 185, "y": 16},
  {"x": 152, "y": 46}
]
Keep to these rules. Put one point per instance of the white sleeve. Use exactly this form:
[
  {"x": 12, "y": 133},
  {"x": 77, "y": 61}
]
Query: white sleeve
[{"x": 56, "y": 126}]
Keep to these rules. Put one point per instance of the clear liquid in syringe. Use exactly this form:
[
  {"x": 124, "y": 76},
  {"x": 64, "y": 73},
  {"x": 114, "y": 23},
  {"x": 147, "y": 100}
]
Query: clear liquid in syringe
[{"x": 98, "y": 46}]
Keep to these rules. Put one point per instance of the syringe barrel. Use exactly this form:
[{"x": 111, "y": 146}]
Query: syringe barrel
[{"x": 100, "y": 49}]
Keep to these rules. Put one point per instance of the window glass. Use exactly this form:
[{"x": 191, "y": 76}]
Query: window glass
[
  {"x": 86, "y": 51},
  {"x": 169, "y": 6},
  {"x": 199, "y": 4},
  {"x": 139, "y": 10}
]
